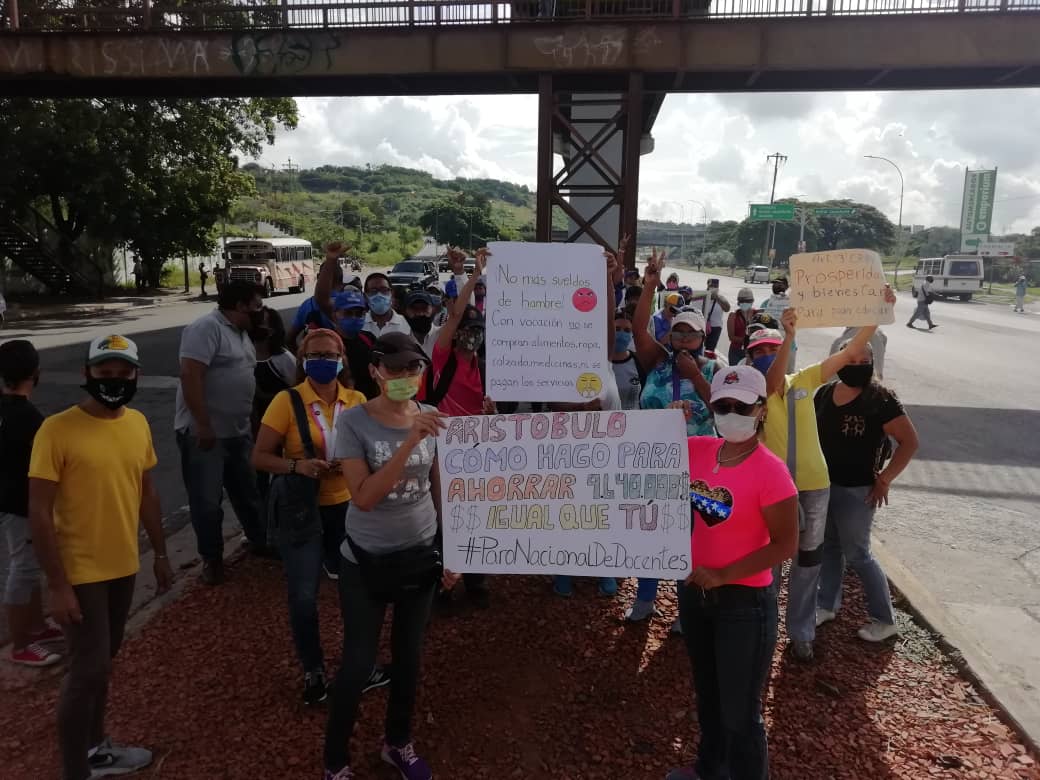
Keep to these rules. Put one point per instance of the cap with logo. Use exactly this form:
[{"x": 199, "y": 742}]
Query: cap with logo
[
  {"x": 741, "y": 383},
  {"x": 765, "y": 336},
  {"x": 349, "y": 300},
  {"x": 112, "y": 348}
]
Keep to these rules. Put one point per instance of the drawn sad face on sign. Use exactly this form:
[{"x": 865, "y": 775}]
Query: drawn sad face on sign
[
  {"x": 588, "y": 386},
  {"x": 584, "y": 300}
]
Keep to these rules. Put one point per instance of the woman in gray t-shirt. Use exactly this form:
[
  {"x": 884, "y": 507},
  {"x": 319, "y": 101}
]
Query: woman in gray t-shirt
[{"x": 389, "y": 458}]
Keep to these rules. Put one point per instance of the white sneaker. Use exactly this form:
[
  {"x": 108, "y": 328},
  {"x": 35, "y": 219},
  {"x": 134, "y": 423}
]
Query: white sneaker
[
  {"x": 824, "y": 616},
  {"x": 109, "y": 759},
  {"x": 876, "y": 631}
]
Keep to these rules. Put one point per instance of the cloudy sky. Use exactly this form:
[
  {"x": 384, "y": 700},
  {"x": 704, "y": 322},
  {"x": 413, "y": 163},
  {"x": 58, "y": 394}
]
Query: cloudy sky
[{"x": 713, "y": 148}]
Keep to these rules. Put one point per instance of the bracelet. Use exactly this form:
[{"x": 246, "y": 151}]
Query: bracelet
[{"x": 292, "y": 465}]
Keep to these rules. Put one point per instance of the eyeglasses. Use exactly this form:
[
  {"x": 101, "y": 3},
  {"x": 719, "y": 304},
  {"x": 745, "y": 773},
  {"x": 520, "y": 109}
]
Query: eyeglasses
[
  {"x": 687, "y": 335},
  {"x": 322, "y": 356},
  {"x": 729, "y": 406}
]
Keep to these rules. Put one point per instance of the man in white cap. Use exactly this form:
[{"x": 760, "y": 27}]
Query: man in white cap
[
  {"x": 1020, "y": 294},
  {"x": 90, "y": 488}
]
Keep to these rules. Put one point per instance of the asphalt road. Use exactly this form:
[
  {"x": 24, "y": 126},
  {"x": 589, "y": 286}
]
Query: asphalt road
[{"x": 963, "y": 517}]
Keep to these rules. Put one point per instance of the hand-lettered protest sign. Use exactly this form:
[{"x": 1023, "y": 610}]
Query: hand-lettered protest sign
[
  {"x": 547, "y": 310},
  {"x": 603, "y": 494},
  {"x": 840, "y": 287}
]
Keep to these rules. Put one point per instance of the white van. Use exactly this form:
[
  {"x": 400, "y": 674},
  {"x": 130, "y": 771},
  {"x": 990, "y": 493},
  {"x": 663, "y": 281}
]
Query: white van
[
  {"x": 756, "y": 273},
  {"x": 957, "y": 276}
]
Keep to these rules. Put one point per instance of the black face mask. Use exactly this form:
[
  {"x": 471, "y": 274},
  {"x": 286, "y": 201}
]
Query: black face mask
[
  {"x": 420, "y": 323},
  {"x": 857, "y": 376},
  {"x": 111, "y": 393}
]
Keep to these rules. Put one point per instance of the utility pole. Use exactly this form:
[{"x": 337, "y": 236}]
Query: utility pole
[
  {"x": 778, "y": 159},
  {"x": 289, "y": 167}
]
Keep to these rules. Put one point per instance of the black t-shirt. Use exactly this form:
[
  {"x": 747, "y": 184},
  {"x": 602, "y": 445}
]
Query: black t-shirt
[
  {"x": 359, "y": 357},
  {"x": 852, "y": 435},
  {"x": 19, "y": 421}
]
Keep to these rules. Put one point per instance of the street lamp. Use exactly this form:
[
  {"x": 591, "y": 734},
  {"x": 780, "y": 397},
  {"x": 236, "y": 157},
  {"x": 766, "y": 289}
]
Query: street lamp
[
  {"x": 682, "y": 228},
  {"x": 704, "y": 235},
  {"x": 899, "y": 236}
]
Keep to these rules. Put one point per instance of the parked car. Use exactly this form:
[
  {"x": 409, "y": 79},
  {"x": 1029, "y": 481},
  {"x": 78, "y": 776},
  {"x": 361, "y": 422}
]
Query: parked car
[
  {"x": 756, "y": 273},
  {"x": 443, "y": 265},
  {"x": 470, "y": 265},
  {"x": 413, "y": 273}
]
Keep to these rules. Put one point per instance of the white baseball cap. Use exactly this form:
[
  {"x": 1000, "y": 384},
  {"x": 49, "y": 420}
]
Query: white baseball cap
[
  {"x": 112, "y": 348},
  {"x": 692, "y": 318},
  {"x": 741, "y": 383}
]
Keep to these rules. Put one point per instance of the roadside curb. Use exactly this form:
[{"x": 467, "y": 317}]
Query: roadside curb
[
  {"x": 15, "y": 317},
  {"x": 1014, "y": 707}
]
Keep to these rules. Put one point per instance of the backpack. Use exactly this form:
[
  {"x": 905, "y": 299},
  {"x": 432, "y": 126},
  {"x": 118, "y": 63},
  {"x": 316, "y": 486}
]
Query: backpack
[{"x": 436, "y": 391}]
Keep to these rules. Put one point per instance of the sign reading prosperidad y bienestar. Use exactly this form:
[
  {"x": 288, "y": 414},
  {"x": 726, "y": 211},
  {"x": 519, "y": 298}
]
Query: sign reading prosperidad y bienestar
[
  {"x": 603, "y": 494},
  {"x": 843, "y": 287}
]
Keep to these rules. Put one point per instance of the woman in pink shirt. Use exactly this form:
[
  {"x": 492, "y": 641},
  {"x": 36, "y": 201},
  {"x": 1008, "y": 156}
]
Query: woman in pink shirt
[{"x": 745, "y": 522}]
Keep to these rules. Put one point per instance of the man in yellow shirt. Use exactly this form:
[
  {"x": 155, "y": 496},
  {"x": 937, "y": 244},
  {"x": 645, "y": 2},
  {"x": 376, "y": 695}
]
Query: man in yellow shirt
[
  {"x": 769, "y": 351},
  {"x": 90, "y": 487}
]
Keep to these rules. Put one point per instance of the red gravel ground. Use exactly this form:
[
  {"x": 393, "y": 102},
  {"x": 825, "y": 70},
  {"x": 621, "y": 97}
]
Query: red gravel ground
[{"x": 535, "y": 687}]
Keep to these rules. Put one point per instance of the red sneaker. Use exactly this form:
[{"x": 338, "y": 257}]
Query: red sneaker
[
  {"x": 34, "y": 655},
  {"x": 52, "y": 633}
]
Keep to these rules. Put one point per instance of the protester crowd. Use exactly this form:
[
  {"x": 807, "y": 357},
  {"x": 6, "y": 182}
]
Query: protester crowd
[{"x": 324, "y": 441}]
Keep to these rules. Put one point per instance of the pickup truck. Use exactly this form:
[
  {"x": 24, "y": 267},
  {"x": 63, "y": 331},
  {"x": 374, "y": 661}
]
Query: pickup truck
[{"x": 413, "y": 273}]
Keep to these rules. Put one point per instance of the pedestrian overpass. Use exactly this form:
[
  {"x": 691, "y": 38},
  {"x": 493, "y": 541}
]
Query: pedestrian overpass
[{"x": 601, "y": 68}]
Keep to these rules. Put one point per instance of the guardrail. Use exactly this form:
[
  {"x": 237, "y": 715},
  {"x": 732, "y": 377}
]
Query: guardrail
[{"x": 145, "y": 15}]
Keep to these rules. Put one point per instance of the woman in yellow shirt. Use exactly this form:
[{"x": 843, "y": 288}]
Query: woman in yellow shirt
[{"x": 306, "y": 544}]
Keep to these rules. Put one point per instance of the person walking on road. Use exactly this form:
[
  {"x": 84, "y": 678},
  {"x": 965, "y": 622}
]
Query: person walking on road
[
  {"x": 714, "y": 306},
  {"x": 138, "y": 273},
  {"x": 391, "y": 552},
  {"x": 1020, "y": 294},
  {"x": 203, "y": 276},
  {"x": 31, "y": 635},
  {"x": 925, "y": 296},
  {"x": 90, "y": 488},
  {"x": 855, "y": 417},
  {"x": 296, "y": 444},
  {"x": 213, "y": 422},
  {"x": 745, "y": 525}
]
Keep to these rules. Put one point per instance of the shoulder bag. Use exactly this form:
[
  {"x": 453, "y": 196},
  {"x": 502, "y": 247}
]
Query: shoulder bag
[{"x": 293, "y": 517}]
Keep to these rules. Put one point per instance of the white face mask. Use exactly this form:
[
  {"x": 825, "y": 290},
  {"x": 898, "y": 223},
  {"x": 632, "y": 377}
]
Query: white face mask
[{"x": 736, "y": 428}]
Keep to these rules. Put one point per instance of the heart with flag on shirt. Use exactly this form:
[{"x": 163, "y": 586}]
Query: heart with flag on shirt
[{"x": 714, "y": 505}]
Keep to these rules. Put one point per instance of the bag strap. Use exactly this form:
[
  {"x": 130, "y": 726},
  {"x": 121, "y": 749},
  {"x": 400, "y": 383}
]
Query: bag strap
[
  {"x": 302, "y": 423},
  {"x": 792, "y": 435},
  {"x": 435, "y": 393}
]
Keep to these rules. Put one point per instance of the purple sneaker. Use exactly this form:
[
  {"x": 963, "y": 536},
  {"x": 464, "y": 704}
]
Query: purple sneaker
[
  {"x": 343, "y": 774},
  {"x": 404, "y": 760}
]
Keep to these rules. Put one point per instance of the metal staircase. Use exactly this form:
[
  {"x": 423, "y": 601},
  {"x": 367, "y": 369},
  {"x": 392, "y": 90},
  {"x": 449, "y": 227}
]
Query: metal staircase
[{"x": 31, "y": 254}]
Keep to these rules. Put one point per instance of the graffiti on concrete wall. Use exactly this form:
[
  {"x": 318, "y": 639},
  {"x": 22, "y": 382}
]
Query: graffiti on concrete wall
[
  {"x": 139, "y": 57},
  {"x": 592, "y": 47},
  {"x": 278, "y": 53},
  {"x": 22, "y": 56}
]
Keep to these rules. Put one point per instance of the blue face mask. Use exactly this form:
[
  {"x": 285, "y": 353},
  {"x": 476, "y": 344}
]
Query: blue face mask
[
  {"x": 322, "y": 371},
  {"x": 351, "y": 325},
  {"x": 763, "y": 362},
  {"x": 622, "y": 341},
  {"x": 379, "y": 303}
]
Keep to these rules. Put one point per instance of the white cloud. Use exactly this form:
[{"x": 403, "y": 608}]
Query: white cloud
[{"x": 713, "y": 148}]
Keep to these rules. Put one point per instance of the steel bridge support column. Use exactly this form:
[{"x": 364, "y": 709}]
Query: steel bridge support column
[{"x": 599, "y": 137}]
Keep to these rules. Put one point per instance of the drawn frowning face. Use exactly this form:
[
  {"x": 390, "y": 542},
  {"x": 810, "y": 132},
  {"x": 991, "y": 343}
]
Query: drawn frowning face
[
  {"x": 588, "y": 386},
  {"x": 584, "y": 300}
]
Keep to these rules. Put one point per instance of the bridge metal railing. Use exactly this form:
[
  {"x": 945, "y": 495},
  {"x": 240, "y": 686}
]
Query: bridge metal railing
[{"x": 68, "y": 15}]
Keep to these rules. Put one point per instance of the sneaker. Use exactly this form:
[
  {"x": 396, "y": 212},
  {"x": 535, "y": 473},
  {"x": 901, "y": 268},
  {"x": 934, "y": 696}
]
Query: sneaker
[
  {"x": 932, "y": 327},
  {"x": 676, "y": 628},
  {"x": 213, "y": 572},
  {"x": 109, "y": 759},
  {"x": 330, "y": 571},
  {"x": 479, "y": 596},
  {"x": 379, "y": 678},
  {"x": 910, "y": 325},
  {"x": 876, "y": 631},
  {"x": 824, "y": 616},
  {"x": 404, "y": 760},
  {"x": 683, "y": 773},
  {"x": 344, "y": 774},
  {"x": 51, "y": 633},
  {"x": 34, "y": 655},
  {"x": 802, "y": 651},
  {"x": 641, "y": 610},
  {"x": 315, "y": 687},
  {"x": 563, "y": 586},
  {"x": 607, "y": 586}
]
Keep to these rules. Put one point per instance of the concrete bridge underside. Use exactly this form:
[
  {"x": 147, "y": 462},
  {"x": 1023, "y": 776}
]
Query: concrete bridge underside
[{"x": 829, "y": 53}]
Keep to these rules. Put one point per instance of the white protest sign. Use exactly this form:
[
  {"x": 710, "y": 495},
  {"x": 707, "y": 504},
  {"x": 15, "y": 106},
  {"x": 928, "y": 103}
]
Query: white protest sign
[
  {"x": 597, "y": 494},
  {"x": 546, "y": 315},
  {"x": 843, "y": 287}
]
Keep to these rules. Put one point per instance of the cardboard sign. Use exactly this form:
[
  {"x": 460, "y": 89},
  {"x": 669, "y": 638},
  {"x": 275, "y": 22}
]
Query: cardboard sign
[
  {"x": 546, "y": 311},
  {"x": 843, "y": 287},
  {"x": 591, "y": 494}
]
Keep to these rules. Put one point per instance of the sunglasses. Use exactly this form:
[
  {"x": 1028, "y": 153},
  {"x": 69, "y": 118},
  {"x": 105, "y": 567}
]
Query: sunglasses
[{"x": 730, "y": 406}]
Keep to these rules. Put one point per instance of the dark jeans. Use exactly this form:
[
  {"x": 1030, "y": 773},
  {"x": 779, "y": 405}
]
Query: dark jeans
[
  {"x": 207, "y": 474},
  {"x": 363, "y": 623},
  {"x": 302, "y": 564},
  {"x": 736, "y": 355},
  {"x": 730, "y": 634},
  {"x": 92, "y": 644},
  {"x": 712, "y": 339}
]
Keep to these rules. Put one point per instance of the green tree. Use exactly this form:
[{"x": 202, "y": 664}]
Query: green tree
[
  {"x": 454, "y": 222},
  {"x": 934, "y": 242}
]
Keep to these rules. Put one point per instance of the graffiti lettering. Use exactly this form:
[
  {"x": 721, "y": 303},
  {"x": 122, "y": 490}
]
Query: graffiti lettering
[
  {"x": 22, "y": 56},
  {"x": 584, "y": 47},
  {"x": 140, "y": 57},
  {"x": 282, "y": 53}
]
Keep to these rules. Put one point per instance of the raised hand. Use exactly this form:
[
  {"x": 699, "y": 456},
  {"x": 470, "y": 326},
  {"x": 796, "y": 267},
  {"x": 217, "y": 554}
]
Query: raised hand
[{"x": 426, "y": 424}]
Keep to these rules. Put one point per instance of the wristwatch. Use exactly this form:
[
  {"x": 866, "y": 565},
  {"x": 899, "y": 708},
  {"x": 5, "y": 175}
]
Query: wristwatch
[{"x": 292, "y": 465}]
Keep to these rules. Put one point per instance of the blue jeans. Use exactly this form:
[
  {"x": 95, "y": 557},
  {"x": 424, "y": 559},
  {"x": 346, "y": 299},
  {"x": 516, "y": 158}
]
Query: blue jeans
[
  {"x": 303, "y": 574},
  {"x": 207, "y": 474},
  {"x": 730, "y": 634},
  {"x": 847, "y": 541},
  {"x": 804, "y": 581}
]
